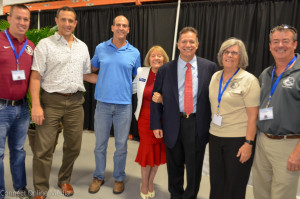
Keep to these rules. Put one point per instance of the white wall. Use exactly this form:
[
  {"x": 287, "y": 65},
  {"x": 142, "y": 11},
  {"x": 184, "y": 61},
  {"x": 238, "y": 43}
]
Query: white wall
[{"x": 1, "y": 7}]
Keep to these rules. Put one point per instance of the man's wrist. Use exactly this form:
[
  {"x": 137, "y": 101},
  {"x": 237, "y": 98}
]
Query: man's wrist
[{"x": 251, "y": 142}]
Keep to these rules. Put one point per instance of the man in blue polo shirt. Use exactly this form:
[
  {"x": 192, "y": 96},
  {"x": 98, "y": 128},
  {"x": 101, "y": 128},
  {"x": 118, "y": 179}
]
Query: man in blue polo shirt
[{"x": 118, "y": 62}]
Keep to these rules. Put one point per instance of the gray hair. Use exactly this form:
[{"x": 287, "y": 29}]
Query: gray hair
[
  {"x": 243, "y": 63},
  {"x": 284, "y": 28}
]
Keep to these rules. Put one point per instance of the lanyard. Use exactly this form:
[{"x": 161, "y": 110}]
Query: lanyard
[
  {"x": 220, "y": 87},
  {"x": 13, "y": 48},
  {"x": 273, "y": 87}
]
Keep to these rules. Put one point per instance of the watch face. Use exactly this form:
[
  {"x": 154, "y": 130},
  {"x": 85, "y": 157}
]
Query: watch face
[{"x": 249, "y": 142}]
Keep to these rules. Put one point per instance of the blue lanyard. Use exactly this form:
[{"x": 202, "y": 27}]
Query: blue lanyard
[
  {"x": 13, "y": 48},
  {"x": 220, "y": 86},
  {"x": 273, "y": 87}
]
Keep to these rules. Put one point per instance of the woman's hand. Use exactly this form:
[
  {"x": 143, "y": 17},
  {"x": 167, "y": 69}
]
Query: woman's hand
[
  {"x": 158, "y": 133},
  {"x": 157, "y": 97},
  {"x": 244, "y": 152}
]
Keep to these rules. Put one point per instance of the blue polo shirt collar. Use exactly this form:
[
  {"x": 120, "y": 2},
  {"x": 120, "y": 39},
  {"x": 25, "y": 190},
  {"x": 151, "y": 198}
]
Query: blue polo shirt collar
[{"x": 110, "y": 43}]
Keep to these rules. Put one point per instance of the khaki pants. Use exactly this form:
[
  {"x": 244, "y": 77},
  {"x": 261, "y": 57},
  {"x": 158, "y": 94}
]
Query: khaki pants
[
  {"x": 271, "y": 179},
  {"x": 69, "y": 111}
]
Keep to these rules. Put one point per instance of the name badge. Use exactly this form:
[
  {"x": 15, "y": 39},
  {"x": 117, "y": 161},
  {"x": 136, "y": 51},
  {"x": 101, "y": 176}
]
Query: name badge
[
  {"x": 217, "y": 120},
  {"x": 266, "y": 113},
  {"x": 142, "y": 79},
  {"x": 18, "y": 75}
]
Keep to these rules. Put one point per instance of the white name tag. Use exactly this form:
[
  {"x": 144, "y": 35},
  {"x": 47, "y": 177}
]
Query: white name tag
[
  {"x": 142, "y": 79},
  {"x": 266, "y": 113},
  {"x": 217, "y": 120},
  {"x": 18, "y": 75}
]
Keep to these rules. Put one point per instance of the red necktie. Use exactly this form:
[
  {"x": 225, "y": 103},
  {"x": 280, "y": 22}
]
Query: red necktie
[{"x": 188, "y": 90}]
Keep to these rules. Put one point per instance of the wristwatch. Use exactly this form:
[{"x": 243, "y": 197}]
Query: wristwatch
[{"x": 249, "y": 142}]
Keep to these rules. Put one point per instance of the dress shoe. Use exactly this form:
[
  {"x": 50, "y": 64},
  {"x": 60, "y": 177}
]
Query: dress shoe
[
  {"x": 118, "y": 187},
  {"x": 144, "y": 196},
  {"x": 151, "y": 194},
  {"x": 95, "y": 185},
  {"x": 66, "y": 189},
  {"x": 39, "y": 197}
]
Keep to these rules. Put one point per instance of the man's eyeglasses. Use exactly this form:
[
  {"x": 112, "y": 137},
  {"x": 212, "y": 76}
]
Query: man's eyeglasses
[
  {"x": 284, "y": 27},
  {"x": 233, "y": 53}
]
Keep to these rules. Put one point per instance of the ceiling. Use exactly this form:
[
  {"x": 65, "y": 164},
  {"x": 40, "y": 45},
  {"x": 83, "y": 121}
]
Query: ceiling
[{"x": 11, "y": 2}]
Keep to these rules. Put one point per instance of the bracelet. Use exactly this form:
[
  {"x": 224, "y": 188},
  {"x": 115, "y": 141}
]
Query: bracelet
[{"x": 249, "y": 142}]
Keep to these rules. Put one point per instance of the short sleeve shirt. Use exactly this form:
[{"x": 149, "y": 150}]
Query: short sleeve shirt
[
  {"x": 116, "y": 68},
  {"x": 61, "y": 67},
  {"x": 10, "y": 89},
  {"x": 242, "y": 91},
  {"x": 285, "y": 101}
]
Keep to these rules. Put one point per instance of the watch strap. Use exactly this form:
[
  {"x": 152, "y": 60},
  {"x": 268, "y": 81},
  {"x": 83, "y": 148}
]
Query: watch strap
[{"x": 249, "y": 142}]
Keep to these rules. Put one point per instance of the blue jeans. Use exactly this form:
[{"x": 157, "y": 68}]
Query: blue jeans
[
  {"x": 14, "y": 122},
  {"x": 120, "y": 116}
]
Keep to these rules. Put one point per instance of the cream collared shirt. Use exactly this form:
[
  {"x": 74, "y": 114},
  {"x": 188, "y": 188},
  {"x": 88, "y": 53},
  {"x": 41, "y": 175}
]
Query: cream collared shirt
[
  {"x": 242, "y": 91},
  {"x": 61, "y": 67}
]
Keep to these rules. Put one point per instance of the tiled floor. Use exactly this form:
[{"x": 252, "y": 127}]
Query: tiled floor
[{"x": 83, "y": 172}]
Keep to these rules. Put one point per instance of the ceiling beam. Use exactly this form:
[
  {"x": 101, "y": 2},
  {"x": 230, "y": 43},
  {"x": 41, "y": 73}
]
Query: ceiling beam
[
  {"x": 12, "y": 2},
  {"x": 53, "y": 5}
]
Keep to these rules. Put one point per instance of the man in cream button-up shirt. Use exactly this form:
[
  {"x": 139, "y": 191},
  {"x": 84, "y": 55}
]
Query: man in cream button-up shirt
[{"x": 61, "y": 62}]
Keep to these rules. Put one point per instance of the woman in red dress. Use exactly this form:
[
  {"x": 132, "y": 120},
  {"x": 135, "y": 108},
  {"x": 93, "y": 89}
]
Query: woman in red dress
[{"x": 151, "y": 152}]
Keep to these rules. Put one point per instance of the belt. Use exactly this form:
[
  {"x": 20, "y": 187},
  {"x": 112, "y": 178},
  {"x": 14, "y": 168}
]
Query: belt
[
  {"x": 184, "y": 115},
  {"x": 280, "y": 137},
  {"x": 12, "y": 102},
  {"x": 66, "y": 94}
]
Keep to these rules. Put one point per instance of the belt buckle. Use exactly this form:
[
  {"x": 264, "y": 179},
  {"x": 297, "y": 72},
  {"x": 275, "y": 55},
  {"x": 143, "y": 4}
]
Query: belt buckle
[
  {"x": 13, "y": 102},
  {"x": 186, "y": 116}
]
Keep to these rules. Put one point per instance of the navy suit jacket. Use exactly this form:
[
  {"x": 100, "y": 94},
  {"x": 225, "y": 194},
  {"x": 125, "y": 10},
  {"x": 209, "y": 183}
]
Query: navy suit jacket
[{"x": 166, "y": 116}]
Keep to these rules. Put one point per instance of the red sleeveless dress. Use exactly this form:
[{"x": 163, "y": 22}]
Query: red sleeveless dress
[{"x": 152, "y": 151}]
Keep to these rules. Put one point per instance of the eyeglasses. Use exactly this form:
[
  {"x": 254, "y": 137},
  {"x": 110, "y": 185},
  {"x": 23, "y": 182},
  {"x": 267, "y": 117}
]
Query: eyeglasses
[
  {"x": 233, "y": 53},
  {"x": 284, "y": 27}
]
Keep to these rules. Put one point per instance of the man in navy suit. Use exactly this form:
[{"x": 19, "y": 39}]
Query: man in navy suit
[{"x": 185, "y": 133}]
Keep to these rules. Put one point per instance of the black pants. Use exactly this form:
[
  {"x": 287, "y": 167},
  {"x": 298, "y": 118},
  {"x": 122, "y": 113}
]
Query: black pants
[
  {"x": 188, "y": 153},
  {"x": 228, "y": 176}
]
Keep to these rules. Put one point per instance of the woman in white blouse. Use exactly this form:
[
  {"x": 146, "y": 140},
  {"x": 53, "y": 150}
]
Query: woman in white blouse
[{"x": 151, "y": 152}]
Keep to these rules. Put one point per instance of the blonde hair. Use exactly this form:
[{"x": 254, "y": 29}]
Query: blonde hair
[
  {"x": 243, "y": 63},
  {"x": 159, "y": 49}
]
